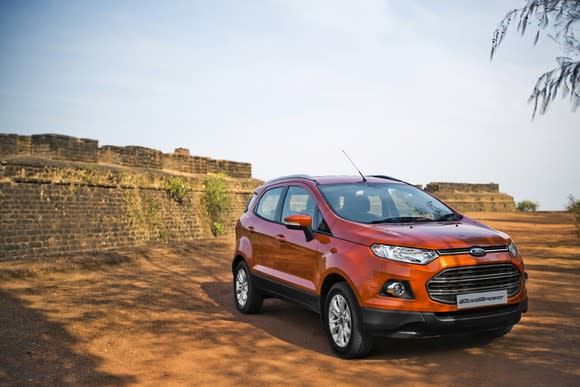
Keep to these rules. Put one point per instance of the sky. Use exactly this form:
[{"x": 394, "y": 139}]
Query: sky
[{"x": 407, "y": 88}]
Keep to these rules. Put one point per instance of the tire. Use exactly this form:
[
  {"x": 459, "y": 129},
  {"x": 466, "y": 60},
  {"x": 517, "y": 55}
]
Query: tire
[
  {"x": 248, "y": 300},
  {"x": 341, "y": 314}
]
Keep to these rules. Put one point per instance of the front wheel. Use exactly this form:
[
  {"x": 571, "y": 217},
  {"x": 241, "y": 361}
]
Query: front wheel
[
  {"x": 246, "y": 297},
  {"x": 343, "y": 323}
]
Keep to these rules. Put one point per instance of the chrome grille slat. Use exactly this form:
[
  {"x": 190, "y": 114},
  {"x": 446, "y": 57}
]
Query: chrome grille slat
[
  {"x": 446, "y": 285},
  {"x": 489, "y": 249},
  {"x": 471, "y": 290},
  {"x": 476, "y": 278}
]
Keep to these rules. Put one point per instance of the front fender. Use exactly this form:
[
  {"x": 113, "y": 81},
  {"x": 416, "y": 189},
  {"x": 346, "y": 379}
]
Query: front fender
[{"x": 244, "y": 249}]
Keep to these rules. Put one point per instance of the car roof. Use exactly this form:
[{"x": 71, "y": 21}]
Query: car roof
[{"x": 322, "y": 180}]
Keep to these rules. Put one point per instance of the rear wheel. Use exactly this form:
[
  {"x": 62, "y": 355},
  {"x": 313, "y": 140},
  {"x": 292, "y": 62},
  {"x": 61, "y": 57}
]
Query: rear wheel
[
  {"x": 344, "y": 324},
  {"x": 246, "y": 297}
]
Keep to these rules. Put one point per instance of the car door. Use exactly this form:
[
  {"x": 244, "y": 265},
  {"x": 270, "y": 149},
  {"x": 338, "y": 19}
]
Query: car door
[
  {"x": 264, "y": 227},
  {"x": 295, "y": 260}
]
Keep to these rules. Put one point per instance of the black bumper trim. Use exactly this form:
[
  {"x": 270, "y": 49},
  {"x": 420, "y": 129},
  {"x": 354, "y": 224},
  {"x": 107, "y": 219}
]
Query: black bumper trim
[{"x": 399, "y": 324}]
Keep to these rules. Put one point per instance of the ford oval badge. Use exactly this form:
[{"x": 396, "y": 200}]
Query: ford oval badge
[{"x": 477, "y": 251}]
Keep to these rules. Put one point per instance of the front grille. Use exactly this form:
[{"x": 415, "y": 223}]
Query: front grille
[
  {"x": 465, "y": 250},
  {"x": 445, "y": 286}
]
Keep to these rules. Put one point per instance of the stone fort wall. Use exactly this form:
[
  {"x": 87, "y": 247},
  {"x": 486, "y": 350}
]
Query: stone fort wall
[
  {"x": 472, "y": 197},
  {"x": 60, "y": 147},
  {"x": 63, "y": 195}
]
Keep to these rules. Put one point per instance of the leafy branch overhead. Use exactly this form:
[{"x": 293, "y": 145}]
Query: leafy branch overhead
[{"x": 561, "y": 18}]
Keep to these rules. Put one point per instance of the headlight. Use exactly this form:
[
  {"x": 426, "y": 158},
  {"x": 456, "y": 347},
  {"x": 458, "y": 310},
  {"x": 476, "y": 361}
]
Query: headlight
[
  {"x": 513, "y": 249},
  {"x": 404, "y": 254}
]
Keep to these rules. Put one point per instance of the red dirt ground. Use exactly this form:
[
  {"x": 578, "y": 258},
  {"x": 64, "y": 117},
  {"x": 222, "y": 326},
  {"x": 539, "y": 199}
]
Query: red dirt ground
[{"x": 165, "y": 316}]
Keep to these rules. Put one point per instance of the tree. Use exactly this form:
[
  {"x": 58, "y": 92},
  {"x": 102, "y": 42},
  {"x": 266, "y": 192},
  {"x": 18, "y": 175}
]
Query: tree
[
  {"x": 561, "y": 17},
  {"x": 573, "y": 206},
  {"x": 527, "y": 206}
]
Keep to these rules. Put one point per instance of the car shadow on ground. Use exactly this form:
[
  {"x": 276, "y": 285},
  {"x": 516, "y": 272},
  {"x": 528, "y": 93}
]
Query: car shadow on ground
[
  {"x": 37, "y": 351},
  {"x": 298, "y": 326}
]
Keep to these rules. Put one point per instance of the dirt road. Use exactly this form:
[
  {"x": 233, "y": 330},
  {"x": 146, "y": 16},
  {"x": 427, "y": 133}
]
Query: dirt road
[{"x": 165, "y": 316}]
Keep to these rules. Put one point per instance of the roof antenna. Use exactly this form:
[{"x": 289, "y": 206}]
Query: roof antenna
[{"x": 355, "y": 167}]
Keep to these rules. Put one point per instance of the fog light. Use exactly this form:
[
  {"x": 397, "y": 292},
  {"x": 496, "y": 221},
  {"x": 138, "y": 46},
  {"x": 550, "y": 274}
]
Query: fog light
[
  {"x": 525, "y": 276},
  {"x": 396, "y": 289}
]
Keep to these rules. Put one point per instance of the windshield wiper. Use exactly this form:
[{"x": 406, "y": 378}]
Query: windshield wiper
[
  {"x": 450, "y": 216},
  {"x": 403, "y": 219}
]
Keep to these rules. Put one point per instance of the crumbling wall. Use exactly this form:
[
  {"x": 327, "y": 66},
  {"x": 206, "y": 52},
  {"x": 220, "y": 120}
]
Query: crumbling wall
[
  {"x": 60, "y": 147},
  {"x": 62, "y": 194},
  {"x": 51, "y": 208}
]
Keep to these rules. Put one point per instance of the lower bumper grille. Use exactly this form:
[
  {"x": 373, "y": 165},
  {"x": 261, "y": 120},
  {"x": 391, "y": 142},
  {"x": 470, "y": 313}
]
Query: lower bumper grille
[{"x": 445, "y": 286}]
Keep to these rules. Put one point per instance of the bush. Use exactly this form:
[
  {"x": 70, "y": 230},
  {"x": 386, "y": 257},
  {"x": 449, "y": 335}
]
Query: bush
[
  {"x": 216, "y": 201},
  {"x": 528, "y": 206},
  {"x": 217, "y": 228},
  {"x": 573, "y": 206},
  {"x": 177, "y": 188}
]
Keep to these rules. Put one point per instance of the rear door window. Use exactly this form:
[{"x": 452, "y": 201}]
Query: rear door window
[{"x": 268, "y": 205}]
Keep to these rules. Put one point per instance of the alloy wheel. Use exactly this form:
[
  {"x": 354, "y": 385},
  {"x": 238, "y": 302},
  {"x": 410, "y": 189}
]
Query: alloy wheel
[{"x": 339, "y": 320}]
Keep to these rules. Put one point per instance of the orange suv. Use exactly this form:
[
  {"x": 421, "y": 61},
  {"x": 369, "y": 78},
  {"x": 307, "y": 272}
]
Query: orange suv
[{"x": 375, "y": 256}]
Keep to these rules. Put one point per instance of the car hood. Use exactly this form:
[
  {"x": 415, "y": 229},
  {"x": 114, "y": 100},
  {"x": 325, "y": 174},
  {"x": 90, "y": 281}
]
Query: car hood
[{"x": 432, "y": 235}]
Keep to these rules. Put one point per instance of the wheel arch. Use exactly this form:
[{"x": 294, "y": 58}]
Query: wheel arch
[
  {"x": 331, "y": 279},
  {"x": 237, "y": 259}
]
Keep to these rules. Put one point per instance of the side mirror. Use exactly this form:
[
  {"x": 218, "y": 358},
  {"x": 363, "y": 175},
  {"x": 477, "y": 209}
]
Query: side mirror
[{"x": 300, "y": 222}]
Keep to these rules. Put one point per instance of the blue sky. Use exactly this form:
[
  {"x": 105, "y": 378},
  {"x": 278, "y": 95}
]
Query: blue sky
[{"x": 406, "y": 88}]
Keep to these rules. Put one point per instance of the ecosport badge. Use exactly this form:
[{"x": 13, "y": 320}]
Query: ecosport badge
[{"x": 481, "y": 299}]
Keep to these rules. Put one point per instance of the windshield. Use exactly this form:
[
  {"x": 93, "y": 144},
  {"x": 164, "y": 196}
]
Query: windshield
[{"x": 385, "y": 203}]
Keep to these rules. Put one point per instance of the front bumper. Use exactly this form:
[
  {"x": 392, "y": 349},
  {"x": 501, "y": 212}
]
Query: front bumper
[{"x": 404, "y": 324}]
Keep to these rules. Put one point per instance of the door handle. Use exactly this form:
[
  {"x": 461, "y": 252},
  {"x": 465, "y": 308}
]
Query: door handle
[
  {"x": 281, "y": 238},
  {"x": 251, "y": 228}
]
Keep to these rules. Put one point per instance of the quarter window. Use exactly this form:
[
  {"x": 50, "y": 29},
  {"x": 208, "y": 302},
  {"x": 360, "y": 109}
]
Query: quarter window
[
  {"x": 321, "y": 224},
  {"x": 269, "y": 204},
  {"x": 250, "y": 202}
]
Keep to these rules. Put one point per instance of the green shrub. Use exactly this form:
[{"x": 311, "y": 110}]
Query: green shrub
[
  {"x": 216, "y": 200},
  {"x": 217, "y": 228},
  {"x": 573, "y": 206},
  {"x": 528, "y": 206},
  {"x": 153, "y": 207},
  {"x": 177, "y": 188}
]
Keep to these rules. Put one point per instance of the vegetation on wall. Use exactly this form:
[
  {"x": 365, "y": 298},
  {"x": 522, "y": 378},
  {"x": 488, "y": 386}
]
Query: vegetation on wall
[
  {"x": 216, "y": 200},
  {"x": 143, "y": 214},
  {"x": 177, "y": 188},
  {"x": 527, "y": 206}
]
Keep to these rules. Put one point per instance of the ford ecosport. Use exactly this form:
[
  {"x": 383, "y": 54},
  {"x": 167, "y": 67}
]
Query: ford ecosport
[{"x": 375, "y": 256}]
